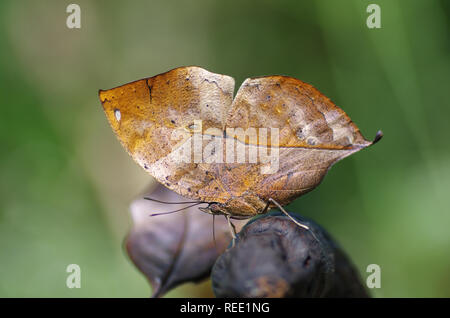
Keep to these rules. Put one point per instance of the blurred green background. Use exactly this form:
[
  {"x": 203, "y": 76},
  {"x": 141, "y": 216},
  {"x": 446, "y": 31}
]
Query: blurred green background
[{"x": 66, "y": 182}]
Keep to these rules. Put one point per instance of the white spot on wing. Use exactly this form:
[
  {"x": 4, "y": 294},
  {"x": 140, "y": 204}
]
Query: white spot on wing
[
  {"x": 117, "y": 114},
  {"x": 339, "y": 125}
]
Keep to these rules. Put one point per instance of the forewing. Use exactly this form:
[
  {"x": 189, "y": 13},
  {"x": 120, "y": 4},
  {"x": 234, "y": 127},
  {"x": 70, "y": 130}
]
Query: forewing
[{"x": 155, "y": 116}]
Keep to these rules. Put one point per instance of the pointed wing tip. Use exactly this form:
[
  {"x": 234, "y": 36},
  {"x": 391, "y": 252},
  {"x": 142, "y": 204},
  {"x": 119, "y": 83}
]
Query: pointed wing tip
[
  {"x": 101, "y": 95},
  {"x": 378, "y": 137}
]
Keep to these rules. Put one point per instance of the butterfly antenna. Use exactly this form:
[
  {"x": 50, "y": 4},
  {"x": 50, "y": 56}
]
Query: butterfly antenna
[
  {"x": 214, "y": 231},
  {"x": 178, "y": 210},
  {"x": 165, "y": 202}
]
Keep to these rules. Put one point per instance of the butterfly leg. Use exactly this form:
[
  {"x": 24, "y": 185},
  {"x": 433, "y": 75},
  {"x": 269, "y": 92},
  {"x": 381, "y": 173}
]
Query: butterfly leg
[
  {"x": 266, "y": 208},
  {"x": 214, "y": 230},
  {"x": 232, "y": 229},
  {"x": 287, "y": 214}
]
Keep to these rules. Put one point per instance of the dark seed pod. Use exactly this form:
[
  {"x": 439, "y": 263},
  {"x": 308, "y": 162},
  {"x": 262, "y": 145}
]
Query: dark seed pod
[{"x": 274, "y": 257}]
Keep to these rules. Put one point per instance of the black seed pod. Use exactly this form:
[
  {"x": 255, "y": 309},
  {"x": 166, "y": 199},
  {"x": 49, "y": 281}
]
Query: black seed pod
[{"x": 274, "y": 257}]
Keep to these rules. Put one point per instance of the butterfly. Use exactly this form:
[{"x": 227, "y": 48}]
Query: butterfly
[{"x": 270, "y": 144}]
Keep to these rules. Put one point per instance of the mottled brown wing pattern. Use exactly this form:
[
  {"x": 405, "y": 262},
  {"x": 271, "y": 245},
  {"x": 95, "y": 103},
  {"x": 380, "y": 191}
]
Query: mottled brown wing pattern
[
  {"x": 306, "y": 118},
  {"x": 155, "y": 118},
  {"x": 314, "y": 133}
]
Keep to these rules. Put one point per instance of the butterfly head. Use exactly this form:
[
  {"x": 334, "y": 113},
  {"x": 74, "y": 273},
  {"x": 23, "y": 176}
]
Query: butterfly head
[{"x": 214, "y": 209}]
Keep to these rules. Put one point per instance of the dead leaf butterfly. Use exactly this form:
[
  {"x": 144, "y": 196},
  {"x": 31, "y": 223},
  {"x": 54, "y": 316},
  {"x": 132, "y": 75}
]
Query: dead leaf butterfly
[{"x": 271, "y": 143}]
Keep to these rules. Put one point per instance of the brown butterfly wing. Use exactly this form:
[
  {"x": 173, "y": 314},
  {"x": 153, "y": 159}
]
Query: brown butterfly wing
[
  {"x": 306, "y": 118},
  {"x": 313, "y": 134},
  {"x": 153, "y": 117}
]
